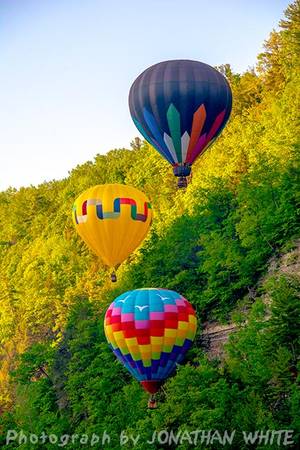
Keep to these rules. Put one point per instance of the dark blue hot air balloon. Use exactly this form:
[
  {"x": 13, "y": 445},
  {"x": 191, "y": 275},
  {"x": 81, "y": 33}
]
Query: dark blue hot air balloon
[{"x": 180, "y": 107}]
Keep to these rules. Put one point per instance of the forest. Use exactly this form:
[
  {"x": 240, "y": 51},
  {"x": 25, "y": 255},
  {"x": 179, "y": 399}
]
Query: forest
[{"x": 229, "y": 243}]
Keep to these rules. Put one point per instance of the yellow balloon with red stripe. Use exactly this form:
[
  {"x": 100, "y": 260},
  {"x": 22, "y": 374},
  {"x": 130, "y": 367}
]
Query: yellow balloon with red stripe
[{"x": 112, "y": 219}]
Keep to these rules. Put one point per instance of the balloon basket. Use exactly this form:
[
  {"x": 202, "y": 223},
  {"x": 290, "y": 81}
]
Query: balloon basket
[
  {"x": 182, "y": 182},
  {"x": 113, "y": 277},
  {"x": 182, "y": 171},
  {"x": 152, "y": 404}
]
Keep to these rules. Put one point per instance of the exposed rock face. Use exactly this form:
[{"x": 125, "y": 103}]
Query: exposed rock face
[{"x": 214, "y": 335}]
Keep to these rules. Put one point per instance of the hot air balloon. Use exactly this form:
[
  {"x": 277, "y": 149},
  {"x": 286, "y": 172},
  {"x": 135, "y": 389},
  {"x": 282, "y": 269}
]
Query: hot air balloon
[
  {"x": 149, "y": 331},
  {"x": 112, "y": 219},
  {"x": 180, "y": 107}
]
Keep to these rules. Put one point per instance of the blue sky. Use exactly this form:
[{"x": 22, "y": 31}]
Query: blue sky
[{"x": 66, "y": 67}]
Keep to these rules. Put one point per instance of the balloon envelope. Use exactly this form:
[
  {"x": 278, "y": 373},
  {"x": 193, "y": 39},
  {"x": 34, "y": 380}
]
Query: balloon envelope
[
  {"x": 149, "y": 331},
  {"x": 112, "y": 219},
  {"x": 180, "y": 107}
]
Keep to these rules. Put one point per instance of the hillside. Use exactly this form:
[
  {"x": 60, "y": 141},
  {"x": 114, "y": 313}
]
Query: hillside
[
  {"x": 225, "y": 243},
  {"x": 214, "y": 335}
]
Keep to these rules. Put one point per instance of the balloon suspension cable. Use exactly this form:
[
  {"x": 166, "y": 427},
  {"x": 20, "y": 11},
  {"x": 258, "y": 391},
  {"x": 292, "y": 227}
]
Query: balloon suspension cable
[
  {"x": 182, "y": 182},
  {"x": 163, "y": 390},
  {"x": 152, "y": 404},
  {"x": 113, "y": 276}
]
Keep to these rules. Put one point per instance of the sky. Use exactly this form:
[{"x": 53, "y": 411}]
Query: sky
[{"x": 66, "y": 67}]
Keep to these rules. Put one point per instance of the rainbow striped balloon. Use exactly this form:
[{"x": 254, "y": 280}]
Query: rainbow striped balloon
[{"x": 149, "y": 331}]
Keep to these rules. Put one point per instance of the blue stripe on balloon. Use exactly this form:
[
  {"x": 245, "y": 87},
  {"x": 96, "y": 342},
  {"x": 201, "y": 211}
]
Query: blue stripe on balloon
[
  {"x": 126, "y": 363},
  {"x": 150, "y": 140},
  {"x": 156, "y": 304},
  {"x": 141, "y": 313},
  {"x": 135, "y": 371},
  {"x": 164, "y": 299},
  {"x": 151, "y": 122},
  {"x": 141, "y": 305},
  {"x": 169, "y": 368},
  {"x": 117, "y": 205},
  {"x": 164, "y": 371}
]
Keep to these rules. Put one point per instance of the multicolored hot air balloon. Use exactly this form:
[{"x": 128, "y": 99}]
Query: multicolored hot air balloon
[
  {"x": 180, "y": 107},
  {"x": 112, "y": 219},
  {"x": 149, "y": 331}
]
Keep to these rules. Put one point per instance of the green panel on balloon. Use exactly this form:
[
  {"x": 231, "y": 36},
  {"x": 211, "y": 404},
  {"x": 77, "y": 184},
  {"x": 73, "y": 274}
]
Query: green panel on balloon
[{"x": 173, "y": 118}]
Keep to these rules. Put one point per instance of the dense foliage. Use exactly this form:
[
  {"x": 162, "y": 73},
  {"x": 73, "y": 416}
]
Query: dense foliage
[{"x": 213, "y": 243}]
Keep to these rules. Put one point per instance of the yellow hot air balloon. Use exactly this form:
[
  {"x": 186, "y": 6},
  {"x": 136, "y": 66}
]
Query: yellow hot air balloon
[{"x": 112, "y": 219}]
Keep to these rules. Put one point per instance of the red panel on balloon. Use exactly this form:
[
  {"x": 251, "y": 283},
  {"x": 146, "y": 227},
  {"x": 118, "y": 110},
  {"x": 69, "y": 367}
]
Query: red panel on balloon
[
  {"x": 129, "y": 333},
  {"x": 171, "y": 324},
  {"x": 115, "y": 319},
  {"x": 143, "y": 340},
  {"x": 128, "y": 325}
]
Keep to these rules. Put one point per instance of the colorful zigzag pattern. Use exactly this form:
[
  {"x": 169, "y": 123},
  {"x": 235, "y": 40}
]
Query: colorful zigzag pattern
[{"x": 115, "y": 214}]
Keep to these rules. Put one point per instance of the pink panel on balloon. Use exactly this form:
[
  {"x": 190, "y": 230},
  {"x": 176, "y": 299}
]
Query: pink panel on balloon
[
  {"x": 180, "y": 302},
  {"x": 216, "y": 125},
  {"x": 171, "y": 308},
  {"x": 141, "y": 324},
  {"x": 157, "y": 316},
  {"x": 116, "y": 311},
  {"x": 127, "y": 317},
  {"x": 198, "y": 148}
]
